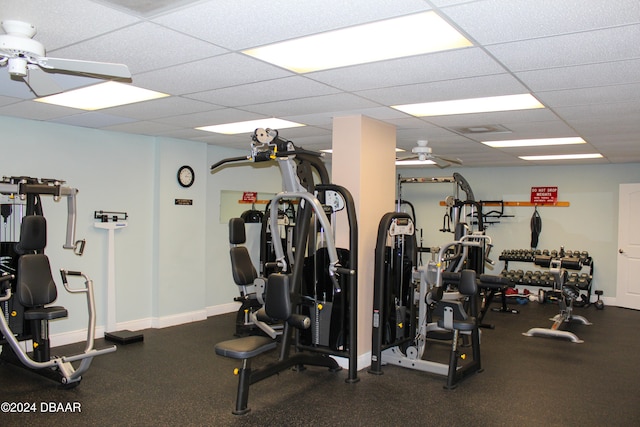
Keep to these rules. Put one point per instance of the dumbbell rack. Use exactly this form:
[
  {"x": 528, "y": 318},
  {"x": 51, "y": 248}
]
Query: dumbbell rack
[{"x": 571, "y": 260}]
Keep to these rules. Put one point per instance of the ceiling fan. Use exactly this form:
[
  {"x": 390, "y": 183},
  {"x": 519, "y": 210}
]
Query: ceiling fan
[
  {"x": 26, "y": 61},
  {"x": 423, "y": 152}
]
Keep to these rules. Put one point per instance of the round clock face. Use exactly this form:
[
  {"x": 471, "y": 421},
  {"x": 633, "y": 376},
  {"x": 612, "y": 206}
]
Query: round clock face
[{"x": 186, "y": 176}]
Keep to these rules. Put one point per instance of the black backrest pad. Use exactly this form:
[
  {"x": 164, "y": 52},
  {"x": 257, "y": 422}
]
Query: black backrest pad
[
  {"x": 468, "y": 285},
  {"x": 244, "y": 273},
  {"x": 237, "y": 233},
  {"x": 33, "y": 234},
  {"x": 35, "y": 286},
  {"x": 277, "y": 299}
]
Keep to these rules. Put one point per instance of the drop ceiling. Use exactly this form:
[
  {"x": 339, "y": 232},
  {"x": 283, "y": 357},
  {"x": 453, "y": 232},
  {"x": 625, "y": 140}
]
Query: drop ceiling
[{"x": 580, "y": 58}]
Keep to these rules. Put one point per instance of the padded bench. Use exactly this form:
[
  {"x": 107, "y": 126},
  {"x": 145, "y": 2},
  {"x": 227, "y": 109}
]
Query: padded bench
[{"x": 244, "y": 349}]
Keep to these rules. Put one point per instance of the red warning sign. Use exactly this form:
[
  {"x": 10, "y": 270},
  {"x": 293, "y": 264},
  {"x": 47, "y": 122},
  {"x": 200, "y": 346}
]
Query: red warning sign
[
  {"x": 544, "y": 195},
  {"x": 249, "y": 196}
]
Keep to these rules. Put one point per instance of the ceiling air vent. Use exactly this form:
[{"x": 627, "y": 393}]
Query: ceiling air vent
[
  {"x": 147, "y": 8},
  {"x": 473, "y": 130}
]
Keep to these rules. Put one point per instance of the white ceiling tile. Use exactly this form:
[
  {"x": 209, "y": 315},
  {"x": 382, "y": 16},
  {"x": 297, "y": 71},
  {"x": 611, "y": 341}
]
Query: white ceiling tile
[
  {"x": 161, "y": 108},
  {"x": 610, "y": 111},
  {"x": 529, "y": 129},
  {"x": 480, "y": 119},
  {"x": 591, "y": 95},
  {"x": 240, "y": 24},
  {"x": 212, "y": 117},
  {"x": 64, "y": 22},
  {"x": 318, "y": 104},
  {"x": 265, "y": 91},
  {"x": 137, "y": 46},
  {"x": 143, "y": 127},
  {"x": 614, "y": 44},
  {"x": 93, "y": 119},
  {"x": 473, "y": 87},
  {"x": 580, "y": 76},
  {"x": 213, "y": 73},
  {"x": 36, "y": 110},
  {"x": 240, "y": 142},
  {"x": 498, "y": 21},
  {"x": 438, "y": 66},
  {"x": 7, "y": 100}
]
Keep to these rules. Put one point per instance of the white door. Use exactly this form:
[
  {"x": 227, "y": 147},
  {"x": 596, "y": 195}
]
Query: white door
[{"x": 628, "y": 287}]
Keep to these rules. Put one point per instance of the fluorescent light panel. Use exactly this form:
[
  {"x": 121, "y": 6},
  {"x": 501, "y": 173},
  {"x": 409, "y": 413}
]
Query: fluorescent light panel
[
  {"x": 102, "y": 95},
  {"x": 534, "y": 142},
  {"x": 393, "y": 38},
  {"x": 524, "y": 101},
  {"x": 250, "y": 126},
  {"x": 414, "y": 162},
  {"x": 563, "y": 157}
]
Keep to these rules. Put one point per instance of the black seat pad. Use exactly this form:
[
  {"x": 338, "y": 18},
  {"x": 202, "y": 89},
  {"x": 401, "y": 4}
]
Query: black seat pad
[
  {"x": 246, "y": 347},
  {"x": 462, "y": 325},
  {"x": 45, "y": 313}
]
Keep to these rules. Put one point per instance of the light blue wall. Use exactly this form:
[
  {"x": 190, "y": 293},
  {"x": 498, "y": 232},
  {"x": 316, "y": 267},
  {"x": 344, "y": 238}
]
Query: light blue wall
[
  {"x": 172, "y": 262},
  {"x": 112, "y": 172},
  {"x": 589, "y": 224},
  {"x": 179, "y": 275}
]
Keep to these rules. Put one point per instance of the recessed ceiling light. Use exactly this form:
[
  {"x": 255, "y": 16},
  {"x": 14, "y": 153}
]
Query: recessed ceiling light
[
  {"x": 250, "y": 126},
  {"x": 524, "y": 101},
  {"x": 534, "y": 142},
  {"x": 414, "y": 162},
  {"x": 563, "y": 157},
  {"x": 102, "y": 95},
  {"x": 409, "y": 35}
]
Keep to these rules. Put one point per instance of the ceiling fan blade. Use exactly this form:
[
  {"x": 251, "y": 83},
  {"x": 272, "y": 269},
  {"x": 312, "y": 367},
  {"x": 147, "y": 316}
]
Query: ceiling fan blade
[
  {"x": 40, "y": 82},
  {"x": 441, "y": 163},
  {"x": 106, "y": 69},
  {"x": 455, "y": 160},
  {"x": 407, "y": 158}
]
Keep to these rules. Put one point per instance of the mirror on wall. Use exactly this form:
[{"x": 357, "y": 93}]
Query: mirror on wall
[{"x": 233, "y": 203}]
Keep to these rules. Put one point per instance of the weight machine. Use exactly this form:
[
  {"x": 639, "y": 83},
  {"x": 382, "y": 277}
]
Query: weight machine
[
  {"x": 411, "y": 305},
  {"x": 318, "y": 310},
  {"x": 461, "y": 205},
  {"x": 27, "y": 288}
]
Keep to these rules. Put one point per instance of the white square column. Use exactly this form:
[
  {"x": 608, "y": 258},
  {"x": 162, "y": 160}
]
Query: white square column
[{"x": 363, "y": 161}]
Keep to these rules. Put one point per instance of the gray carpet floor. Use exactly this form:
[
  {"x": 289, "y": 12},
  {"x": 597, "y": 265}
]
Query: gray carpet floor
[{"x": 174, "y": 378}]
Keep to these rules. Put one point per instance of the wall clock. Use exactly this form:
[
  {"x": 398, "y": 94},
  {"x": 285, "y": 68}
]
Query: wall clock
[{"x": 186, "y": 176}]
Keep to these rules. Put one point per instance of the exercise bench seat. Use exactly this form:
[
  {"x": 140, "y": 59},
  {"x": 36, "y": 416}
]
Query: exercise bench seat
[
  {"x": 46, "y": 313},
  {"x": 246, "y": 347}
]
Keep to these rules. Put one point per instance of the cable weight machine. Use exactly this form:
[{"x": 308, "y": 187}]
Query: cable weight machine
[
  {"x": 27, "y": 288},
  {"x": 290, "y": 297}
]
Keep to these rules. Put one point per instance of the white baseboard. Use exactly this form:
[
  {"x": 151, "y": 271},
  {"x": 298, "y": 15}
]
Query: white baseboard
[
  {"x": 363, "y": 361},
  {"x": 178, "y": 319},
  {"x": 222, "y": 309}
]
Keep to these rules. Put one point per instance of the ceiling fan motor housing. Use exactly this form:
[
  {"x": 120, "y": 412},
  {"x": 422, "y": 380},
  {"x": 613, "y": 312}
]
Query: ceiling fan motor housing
[{"x": 18, "y": 46}]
